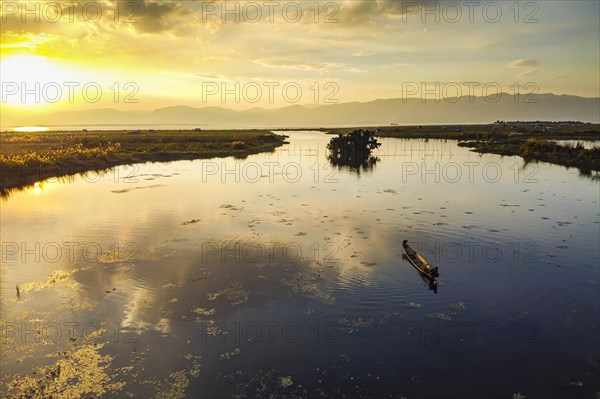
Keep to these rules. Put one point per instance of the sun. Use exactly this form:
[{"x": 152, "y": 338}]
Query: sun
[{"x": 33, "y": 81}]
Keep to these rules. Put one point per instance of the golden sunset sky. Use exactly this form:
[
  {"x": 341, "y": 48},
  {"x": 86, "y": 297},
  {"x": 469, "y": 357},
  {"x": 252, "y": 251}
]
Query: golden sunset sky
[{"x": 165, "y": 53}]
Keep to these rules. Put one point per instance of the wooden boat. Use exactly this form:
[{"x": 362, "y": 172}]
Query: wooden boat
[{"x": 420, "y": 264}]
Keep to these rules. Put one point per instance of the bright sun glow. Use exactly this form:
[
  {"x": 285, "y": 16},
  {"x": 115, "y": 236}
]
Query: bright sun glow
[
  {"x": 30, "y": 129},
  {"x": 31, "y": 81}
]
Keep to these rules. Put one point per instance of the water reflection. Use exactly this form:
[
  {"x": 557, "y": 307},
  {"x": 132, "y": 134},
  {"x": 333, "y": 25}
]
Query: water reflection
[
  {"x": 356, "y": 163},
  {"x": 432, "y": 285},
  {"x": 235, "y": 285}
]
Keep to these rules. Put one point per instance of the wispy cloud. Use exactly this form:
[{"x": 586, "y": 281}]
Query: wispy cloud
[
  {"x": 524, "y": 63},
  {"x": 291, "y": 64},
  {"x": 354, "y": 69},
  {"x": 559, "y": 76},
  {"x": 359, "y": 11},
  {"x": 364, "y": 53},
  {"x": 222, "y": 78},
  {"x": 307, "y": 66},
  {"x": 529, "y": 72}
]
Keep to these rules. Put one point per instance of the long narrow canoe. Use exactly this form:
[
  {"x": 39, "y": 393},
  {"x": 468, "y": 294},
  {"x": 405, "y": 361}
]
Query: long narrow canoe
[{"x": 420, "y": 263}]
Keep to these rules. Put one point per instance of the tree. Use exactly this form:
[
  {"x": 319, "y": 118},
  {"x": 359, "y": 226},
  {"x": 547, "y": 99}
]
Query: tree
[{"x": 353, "y": 150}]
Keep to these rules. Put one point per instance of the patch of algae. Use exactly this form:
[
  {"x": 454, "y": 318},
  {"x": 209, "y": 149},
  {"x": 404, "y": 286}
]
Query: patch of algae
[
  {"x": 231, "y": 355},
  {"x": 11, "y": 344},
  {"x": 309, "y": 283},
  {"x": 175, "y": 386},
  {"x": 80, "y": 371},
  {"x": 234, "y": 293},
  {"x": 116, "y": 256},
  {"x": 354, "y": 325},
  {"x": 60, "y": 278},
  {"x": 286, "y": 381},
  {"x": 205, "y": 311}
]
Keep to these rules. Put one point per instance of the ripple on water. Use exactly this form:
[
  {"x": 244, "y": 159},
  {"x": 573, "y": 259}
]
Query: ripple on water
[{"x": 390, "y": 287}]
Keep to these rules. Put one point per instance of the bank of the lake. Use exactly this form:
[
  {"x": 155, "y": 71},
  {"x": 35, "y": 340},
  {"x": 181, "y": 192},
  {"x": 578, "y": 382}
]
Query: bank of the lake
[
  {"x": 537, "y": 149},
  {"x": 533, "y": 141},
  {"x": 29, "y": 157},
  {"x": 496, "y": 131}
]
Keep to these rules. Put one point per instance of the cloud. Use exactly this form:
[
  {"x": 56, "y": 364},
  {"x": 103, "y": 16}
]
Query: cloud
[
  {"x": 144, "y": 16},
  {"x": 359, "y": 11},
  {"x": 527, "y": 73},
  {"x": 354, "y": 70},
  {"x": 26, "y": 41},
  {"x": 305, "y": 66},
  {"x": 400, "y": 7},
  {"x": 364, "y": 53},
  {"x": 290, "y": 64},
  {"x": 528, "y": 63},
  {"x": 559, "y": 76},
  {"x": 154, "y": 16},
  {"x": 524, "y": 63}
]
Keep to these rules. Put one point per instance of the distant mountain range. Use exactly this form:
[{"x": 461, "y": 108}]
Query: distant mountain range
[{"x": 466, "y": 110}]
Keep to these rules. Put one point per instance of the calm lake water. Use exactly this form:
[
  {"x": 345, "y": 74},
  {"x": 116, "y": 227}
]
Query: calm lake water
[{"x": 280, "y": 275}]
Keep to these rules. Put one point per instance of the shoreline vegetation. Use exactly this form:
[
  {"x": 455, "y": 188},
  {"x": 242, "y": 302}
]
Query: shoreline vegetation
[
  {"x": 532, "y": 141},
  {"x": 540, "y": 149},
  {"x": 26, "y": 158},
  {"x": 29, "y": 157}
]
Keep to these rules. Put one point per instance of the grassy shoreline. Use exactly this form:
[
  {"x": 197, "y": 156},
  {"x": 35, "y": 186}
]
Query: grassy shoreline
[
  {"x": 537, "y": 149},
  {"x": 497, "y": 131},
  {"x": 26, "y": 158},
  {"x": 533, "y": 141}
]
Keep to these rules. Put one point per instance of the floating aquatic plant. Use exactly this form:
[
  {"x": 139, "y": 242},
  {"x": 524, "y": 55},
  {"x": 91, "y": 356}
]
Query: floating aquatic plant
[
  {"x": 205, "y": 312},
  {"x": 286, "y": 381},
  {"x": 57, "y": 278}
]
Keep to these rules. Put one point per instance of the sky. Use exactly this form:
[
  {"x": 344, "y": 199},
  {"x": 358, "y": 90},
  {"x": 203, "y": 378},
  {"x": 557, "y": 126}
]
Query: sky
[{"x": 143, "y": 55}]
